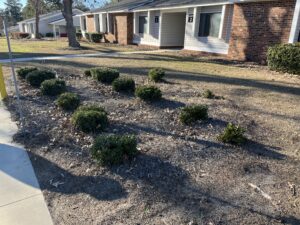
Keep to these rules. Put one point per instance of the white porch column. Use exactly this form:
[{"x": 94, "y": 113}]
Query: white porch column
[
  {"x": 222, "y": 21},
  {"x": 149, "y": 22},
  {"x": 54, "y": 31},
  {"x": 108, "y": 23},
  {"x": 81, "y": 25},
  {"x": 160, "y": 28},
  {"x": 295, "y": 24},
  {"x": 101, "y": 22},
  {"x": 135, "y": 22},
  {"x": 196, "y": 18}
]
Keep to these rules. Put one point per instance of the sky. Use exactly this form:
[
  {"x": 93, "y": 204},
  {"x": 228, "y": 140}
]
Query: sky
[{"x": 23, "y": 2}]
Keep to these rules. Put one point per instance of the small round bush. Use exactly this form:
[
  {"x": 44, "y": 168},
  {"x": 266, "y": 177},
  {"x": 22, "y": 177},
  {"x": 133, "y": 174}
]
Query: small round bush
[
  {"x": 53, "y": 87},
  {"x": 22, "y": 72},
  {"x": 68, "y": 101},
  {"x": 90, "y": 119},
  {"x": 87, "y": 73},
  {"x": 193, "y": 113},
  {"x": 156, "y": 74},
  {"x": 113, "y": 149},
  {"x": 124, "y": 85},
  {"x": 233, "y": 134},
  {"x": 284, "y": 58},
  {"x": 208, "y": 94},
  {"x": 36, "y": 77},
  {"x": 105, "y": 74},
  {"x": 148, "y": 93}
]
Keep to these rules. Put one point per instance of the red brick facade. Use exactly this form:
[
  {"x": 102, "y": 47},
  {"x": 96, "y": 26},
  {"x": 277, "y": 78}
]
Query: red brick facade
[
  {"x": 122, "y": 28},
  {"x": 256, "y": 26},
  {"x": 90, "y": 23}
]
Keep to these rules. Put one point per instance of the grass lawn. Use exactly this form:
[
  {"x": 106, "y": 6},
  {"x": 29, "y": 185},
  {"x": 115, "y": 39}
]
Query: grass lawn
[
  {"x": 183, "y": 174},
  {"x": 31, "y": 48}
]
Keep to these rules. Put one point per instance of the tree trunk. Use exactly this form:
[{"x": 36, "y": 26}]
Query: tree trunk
[
  {"x": 68, "y": 15},
  {"x": 37, "y": 19}
]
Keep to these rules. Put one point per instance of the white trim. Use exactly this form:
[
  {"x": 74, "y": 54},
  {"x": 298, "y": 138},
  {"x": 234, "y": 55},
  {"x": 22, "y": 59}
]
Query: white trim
[
  {"x": 184, "y": 7},
  {"x": 295, "y": 24},
  {"x": 222, "y": 22},
  {"x": 146, "y": 43},
  {"x": 208, "y": 49}
]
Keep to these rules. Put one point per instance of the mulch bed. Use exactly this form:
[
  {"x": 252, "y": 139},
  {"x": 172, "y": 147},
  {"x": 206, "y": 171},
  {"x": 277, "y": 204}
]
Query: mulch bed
[{"x": 182, "y": 174}]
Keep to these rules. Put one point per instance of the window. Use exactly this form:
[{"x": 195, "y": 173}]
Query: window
[
  {"x": 143, "y": 21},
  {"x": 209, "y": 24}
]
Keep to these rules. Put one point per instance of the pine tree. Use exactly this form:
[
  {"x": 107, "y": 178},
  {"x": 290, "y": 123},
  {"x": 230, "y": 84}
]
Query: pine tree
[{"x": 13, "y": 11}]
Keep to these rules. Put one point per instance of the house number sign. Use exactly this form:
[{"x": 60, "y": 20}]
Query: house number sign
[
  {"x": 156, "y": 19},
  {"x": 191, "y": 18}
]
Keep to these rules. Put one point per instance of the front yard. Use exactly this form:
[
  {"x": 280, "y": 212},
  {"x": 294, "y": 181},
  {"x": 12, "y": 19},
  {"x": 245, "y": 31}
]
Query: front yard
[
  {"x": 33, "y": 48},
  {"x": 182, "y": 174}
]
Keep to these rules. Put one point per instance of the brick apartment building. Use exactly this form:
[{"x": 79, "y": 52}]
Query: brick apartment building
[{"x": 240, "y": 29}]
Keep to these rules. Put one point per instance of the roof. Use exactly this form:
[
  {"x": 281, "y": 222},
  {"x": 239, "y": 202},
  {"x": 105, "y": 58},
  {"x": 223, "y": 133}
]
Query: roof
[
  {"x": 125, "y": 5},
  {"x": 49, "y": 15},
  {"x": 180, "y": 3},
  {"x": 138, "y": 5}
]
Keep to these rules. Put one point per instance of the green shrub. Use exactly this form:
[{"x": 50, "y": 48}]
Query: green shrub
[
  {"x": 50, "y": 35},
  {"x": 90, "y": 119},
  {"x": 87, "y": 73},
  {"x": 36, "y": 77},
  {"x": 124, "y": 85},
  {"x": 22, "y": 72},
  {"x": 233, "y": 135},
  {"x": 105, "y": 74},
  {"x": 148, "y": 93},
  {"x": 208, "y": 94},
  {"x": 95, "y": 37},
  {"x": 113, "y": 149},
  {"x": 78, "y": 36},
  {"x": 68, "y": 101},
  {"x": 53, "y": 87},
  {"x": 156, "y": 74},
  {"x": 284, "y": 58},
  {"x": 193, "y": 113}
]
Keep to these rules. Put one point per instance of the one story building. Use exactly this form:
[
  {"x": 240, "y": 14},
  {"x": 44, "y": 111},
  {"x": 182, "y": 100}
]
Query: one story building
[
  {"x": 52, "y": 22},
  {"x": 240, "y": 29}
]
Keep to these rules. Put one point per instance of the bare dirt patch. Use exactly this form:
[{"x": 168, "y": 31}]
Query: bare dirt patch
[{"x": 182, "y": 175}]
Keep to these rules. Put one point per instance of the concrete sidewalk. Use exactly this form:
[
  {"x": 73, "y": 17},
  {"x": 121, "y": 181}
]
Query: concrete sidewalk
[
  {"x": 110, "y": 54},
  {"x": 21, "y": 199}
]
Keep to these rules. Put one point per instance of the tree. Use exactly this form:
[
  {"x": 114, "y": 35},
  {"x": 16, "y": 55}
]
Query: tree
[
  {"x": 37, "y": 18},
  {"x": 28, "y": 10},
  {"x": 66, "y": 9},
  {"x": 13, "y": 11}
]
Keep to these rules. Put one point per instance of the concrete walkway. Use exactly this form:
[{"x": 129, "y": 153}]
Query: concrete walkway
[
  {"x": 110, "y": 54},
  {"x": 21, "y": 200}
]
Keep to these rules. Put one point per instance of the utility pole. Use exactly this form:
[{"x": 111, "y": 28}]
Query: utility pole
[{"x": 13, "y": 69}]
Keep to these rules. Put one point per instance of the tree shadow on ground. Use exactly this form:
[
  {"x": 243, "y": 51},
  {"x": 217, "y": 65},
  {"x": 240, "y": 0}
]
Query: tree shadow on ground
[
  {"x": 251, "y": 147},
  {"x": 59, "y": 180}
]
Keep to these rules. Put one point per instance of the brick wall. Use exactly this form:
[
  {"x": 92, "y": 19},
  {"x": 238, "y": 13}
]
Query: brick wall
[
  {"x": 90, "y": 23},
  {"x": 256, "y": 26},
  {"x": 123, "y": 29}
]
